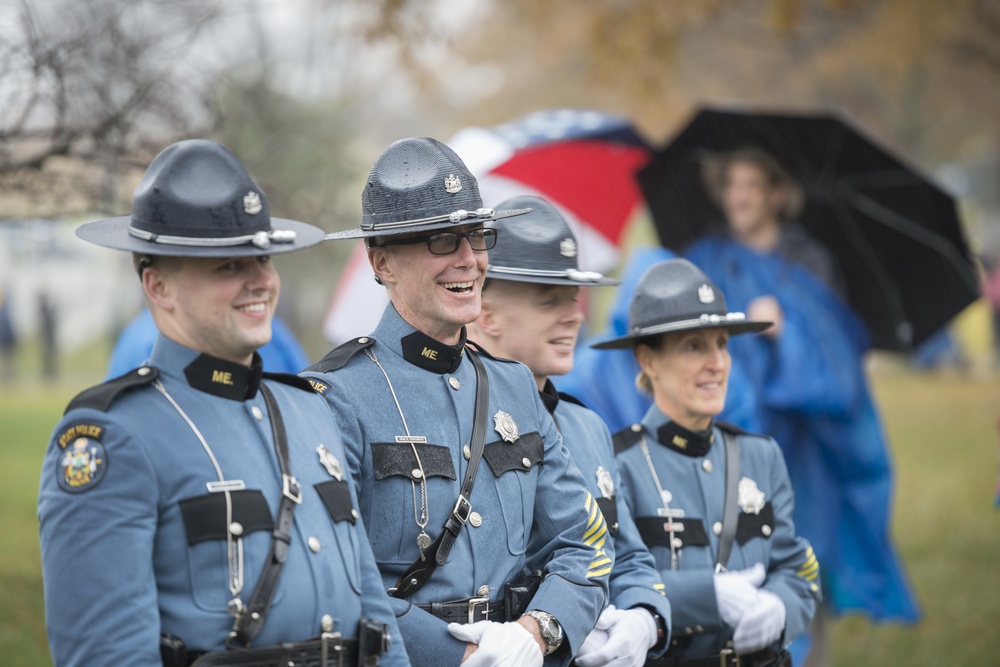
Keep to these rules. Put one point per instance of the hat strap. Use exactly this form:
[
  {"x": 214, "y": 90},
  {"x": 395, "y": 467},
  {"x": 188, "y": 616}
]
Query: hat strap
[
  {"x": 454, "y": 216},
  {"x": 261, "y": 239},
  {"x": 571, "y": 274}
]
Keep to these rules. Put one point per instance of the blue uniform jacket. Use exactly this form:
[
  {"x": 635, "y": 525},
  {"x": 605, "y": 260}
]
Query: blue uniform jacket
[
  {"x": 134, "y": 544},
  {"x": 692, "y": 472},
  {"x": 635, "y": 581},
  {"x": 526, "y": 485}
]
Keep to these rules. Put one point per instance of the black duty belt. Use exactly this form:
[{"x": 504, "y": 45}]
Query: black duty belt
[
  {"x": 469, "y": 610},
  {"x": 329, "y": 652},
  {"x": 726, "y": 658}
]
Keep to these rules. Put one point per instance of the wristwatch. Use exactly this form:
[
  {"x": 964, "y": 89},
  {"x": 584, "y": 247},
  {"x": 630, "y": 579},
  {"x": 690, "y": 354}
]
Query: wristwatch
[{"x": 551, "y": 630}]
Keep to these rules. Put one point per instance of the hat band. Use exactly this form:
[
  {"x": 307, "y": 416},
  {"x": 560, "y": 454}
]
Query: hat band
[
  {"x": 571, "y": 274},
  {"x": 261, "y": 239},
  {"x": 705, "y": 318},
  {"x": 455, "y": 216}
]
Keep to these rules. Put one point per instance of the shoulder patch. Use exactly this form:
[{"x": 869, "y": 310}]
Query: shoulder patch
[
  {"x": 570, "y": 398},
  {"x": 320, "y": 387},
  {"x": 103, "y": 395},
  {"x": 84, "y": 460},
  {"x": 338, "y": 357},
  {"x": 626, "y": 437},
  {"x": 289, "y": 379}
]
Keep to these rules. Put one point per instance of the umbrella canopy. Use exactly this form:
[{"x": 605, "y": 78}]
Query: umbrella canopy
[{"x": 895, "y": 234}]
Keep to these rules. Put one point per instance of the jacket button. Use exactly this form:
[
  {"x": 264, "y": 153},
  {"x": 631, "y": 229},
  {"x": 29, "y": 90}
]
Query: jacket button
[
  {"x": 314, "y": 544},
  {"x": 717, "y": 528},
  {"x": 706, "y": 465},
  {"x": 455, "y": 384}
]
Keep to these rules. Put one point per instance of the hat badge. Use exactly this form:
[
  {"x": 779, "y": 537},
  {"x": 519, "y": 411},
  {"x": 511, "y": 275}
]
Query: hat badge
[
  {"x": 567, "y": 248},
  {"x": 706, "y": 294},
  {"x": 452, "y": 184},
  {"x": 251, "y": 203}
]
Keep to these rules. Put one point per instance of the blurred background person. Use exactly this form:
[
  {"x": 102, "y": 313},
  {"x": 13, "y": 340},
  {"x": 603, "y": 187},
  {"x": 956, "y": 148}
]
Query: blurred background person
[
  {"x": 811, "y": 390},
  {"x": 712, "y": 502},
  {"x": 8, "y": 341}
]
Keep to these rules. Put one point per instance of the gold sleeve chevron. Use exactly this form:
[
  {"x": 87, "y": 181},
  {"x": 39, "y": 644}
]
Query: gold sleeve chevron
[
  {"x": 597, "y": 533},
  {"x": 810, "y": 568},
  {"x": 661, "y": 589}
]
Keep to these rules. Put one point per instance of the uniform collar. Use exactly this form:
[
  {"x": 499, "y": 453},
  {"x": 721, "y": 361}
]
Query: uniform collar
[
  {"x": 673, "y": 436},
  {"x": 416, "y": 347},
  {"x": 549, "y": 396},
  {"x": 206, "y": 373}
]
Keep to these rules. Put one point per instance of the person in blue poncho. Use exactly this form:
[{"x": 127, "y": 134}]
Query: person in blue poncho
[
  {"x": 811, "y": 391},
  {"x": 283, "y": 354},
  {"x": 605, "y": 380}
]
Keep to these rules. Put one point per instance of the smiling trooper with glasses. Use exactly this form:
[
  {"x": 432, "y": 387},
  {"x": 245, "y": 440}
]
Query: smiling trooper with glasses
[{"x": 447, "y": 444}]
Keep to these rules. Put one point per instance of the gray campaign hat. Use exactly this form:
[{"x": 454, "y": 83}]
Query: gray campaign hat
[
  {"x": 419, "y": 185},
  {"x": 196, "y": 199},
  {"x": 675, "y": 295},
  {"x": 539, "y": 247}
]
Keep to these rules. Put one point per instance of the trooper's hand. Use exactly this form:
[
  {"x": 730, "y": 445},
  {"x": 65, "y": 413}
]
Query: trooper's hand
[
  {"x": 627, "y": 636},
  {"x": 736, "y": 592},
  {"x": 762, "y": 625},
  {"x": 500, "y": 644}
]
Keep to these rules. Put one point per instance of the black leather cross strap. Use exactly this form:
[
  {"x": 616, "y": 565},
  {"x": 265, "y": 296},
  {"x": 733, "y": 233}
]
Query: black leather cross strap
[
  {"x": 250, "y": 621},
  {"x": 421, "y": 570},
  {"x": 730, "y": 510}
]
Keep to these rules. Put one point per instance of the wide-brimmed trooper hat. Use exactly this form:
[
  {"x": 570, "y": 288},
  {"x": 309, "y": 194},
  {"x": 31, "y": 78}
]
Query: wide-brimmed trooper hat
[
  {"x": 419, "y": 185},
  {"x": 675, "y": 295},
  {"x": 538, "y": 247},
  {"x": 196, "y": 199}
]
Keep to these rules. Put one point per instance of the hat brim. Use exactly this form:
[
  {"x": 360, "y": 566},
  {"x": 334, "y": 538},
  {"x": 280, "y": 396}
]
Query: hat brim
[
  {"x": 417, "y": 227},
  {"x": 634, "y": 338},
  {"x": 525, "y": 277},
  {"x": 113, "y": 233}
]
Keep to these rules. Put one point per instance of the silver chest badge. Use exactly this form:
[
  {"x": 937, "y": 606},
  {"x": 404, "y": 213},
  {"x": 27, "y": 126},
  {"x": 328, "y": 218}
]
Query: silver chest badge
[
  {"x": 506, "y": 426},
  {"x": 330, "y": 462},
  {"x": 750, "y": 498},
  {"x": 251, "y": 203},
  {"x": 452, "y": 184},
  {"x": 605, "y": 483},
  {"x": 706, "y": 294}
]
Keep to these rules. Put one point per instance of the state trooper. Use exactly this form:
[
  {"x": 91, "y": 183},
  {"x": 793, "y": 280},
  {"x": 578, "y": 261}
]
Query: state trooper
[
  {"x": 419, "y": 410},
  {"x": 195, "y": 503},
  {"x": 532, "y": 314},
  {"x": 712, "y": 502}
]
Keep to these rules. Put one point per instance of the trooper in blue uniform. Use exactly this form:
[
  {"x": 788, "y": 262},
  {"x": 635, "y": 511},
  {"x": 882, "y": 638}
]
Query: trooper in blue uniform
[
  {"x": 408, "y": 398},
  {"x": 532, "y": 313},
  {"x": 196, "y": 503},
  {"x": 713, "y": 503}
]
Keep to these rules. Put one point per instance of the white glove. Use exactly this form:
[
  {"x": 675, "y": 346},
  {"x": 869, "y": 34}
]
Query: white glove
[
  {"x": 736, "y": 592},
  {"x": 762, "y": 625},
  {"x": 500, "y": 644},
  {"x": 630, "y": 634}
]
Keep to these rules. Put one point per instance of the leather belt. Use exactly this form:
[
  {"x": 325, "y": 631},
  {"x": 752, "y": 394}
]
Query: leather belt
[
  {"x": 332, "y": 652},
  {"x": 469, "y": 610},
  {"x": 725, "y": 658}
]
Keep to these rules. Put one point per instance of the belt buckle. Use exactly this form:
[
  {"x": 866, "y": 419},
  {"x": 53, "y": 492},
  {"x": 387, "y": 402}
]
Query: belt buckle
[
  {"x": 326, "y": 639},
  {"x": 291, "y": 489},
  {"x": 724, "y": 656},
  {"x": 463, "y": 504},
  {"x": 473, "y": 603}
]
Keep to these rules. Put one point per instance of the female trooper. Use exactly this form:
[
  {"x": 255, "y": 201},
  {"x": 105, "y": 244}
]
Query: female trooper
[
  {"x": 712, "y": 502},
  {"x": 532, "y": 313},
  {"x": 197, "y": 503}
]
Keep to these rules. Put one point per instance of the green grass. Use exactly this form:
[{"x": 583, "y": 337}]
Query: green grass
[{"x": 945, "y": 444}]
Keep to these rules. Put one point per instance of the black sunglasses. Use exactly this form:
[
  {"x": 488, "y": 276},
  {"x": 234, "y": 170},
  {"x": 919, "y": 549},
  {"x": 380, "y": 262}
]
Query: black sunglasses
[{"x": 445, "y": 243}]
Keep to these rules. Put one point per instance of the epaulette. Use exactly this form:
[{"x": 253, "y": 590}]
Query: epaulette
[
  {"x": 732, "y": 428},
  {"x": 103, "y": 395},
  {"x": 626, "y": 437},
  {"x": 338, "y": 357},
  {"x": 289, "y": 379},
  {"x": 570, "y": 398},
  {"x": 484, "y": 352}
]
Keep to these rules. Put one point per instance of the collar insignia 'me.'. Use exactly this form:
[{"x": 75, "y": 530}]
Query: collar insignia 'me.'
[
  {"x": 330, "y": 462},
  {"x": 506, "y": 426},
  {"x": 750, "y": 497},
  {"x": 705, "y": 294},
  {"x": 604, "y": 483}
]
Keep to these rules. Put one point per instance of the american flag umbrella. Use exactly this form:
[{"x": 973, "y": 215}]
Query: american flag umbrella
[{"x": 582, "y": 162}]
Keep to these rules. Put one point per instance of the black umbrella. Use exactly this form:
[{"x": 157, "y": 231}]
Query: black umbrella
[{"x": 895, "y": 234}]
